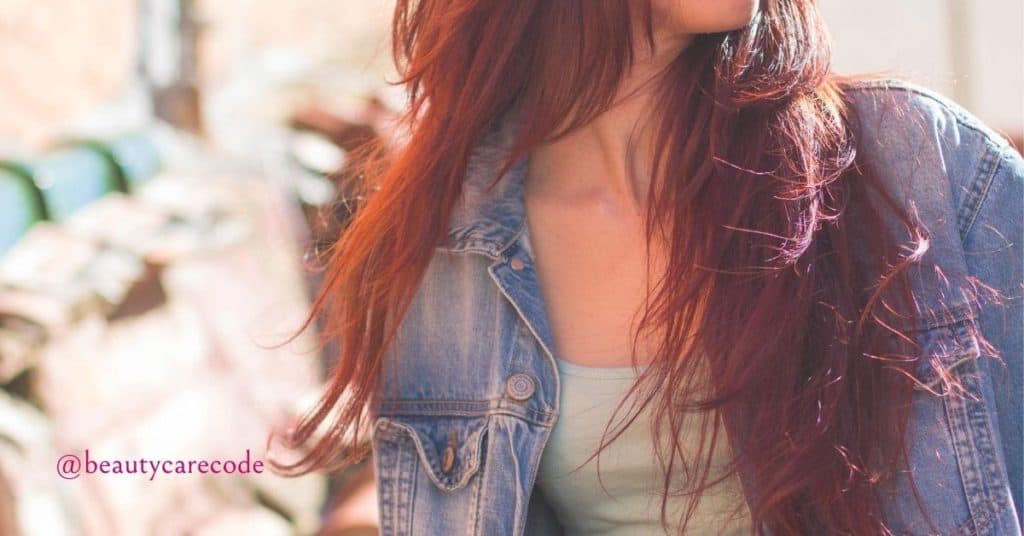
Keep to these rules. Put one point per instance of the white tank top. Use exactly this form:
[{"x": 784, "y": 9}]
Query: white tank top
[{"x": 630, "y": 500}]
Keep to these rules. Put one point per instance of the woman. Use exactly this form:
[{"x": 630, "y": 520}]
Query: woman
[{"x": 645, "y": 266}]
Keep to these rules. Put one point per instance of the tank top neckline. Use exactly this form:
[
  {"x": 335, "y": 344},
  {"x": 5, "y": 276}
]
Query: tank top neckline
[{"x": 607, "y": 373}]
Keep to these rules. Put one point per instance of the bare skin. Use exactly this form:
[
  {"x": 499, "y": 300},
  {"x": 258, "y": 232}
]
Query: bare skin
[{"x": 585, "y": 215}]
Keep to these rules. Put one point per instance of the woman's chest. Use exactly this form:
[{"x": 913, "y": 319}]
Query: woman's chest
[
  {"x": 594, "y": 273},
  {"x": 471, "y": 397}
]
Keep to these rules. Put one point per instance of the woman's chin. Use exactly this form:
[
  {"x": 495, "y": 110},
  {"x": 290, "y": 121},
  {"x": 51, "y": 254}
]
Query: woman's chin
[{"x": 706, "y": 16}]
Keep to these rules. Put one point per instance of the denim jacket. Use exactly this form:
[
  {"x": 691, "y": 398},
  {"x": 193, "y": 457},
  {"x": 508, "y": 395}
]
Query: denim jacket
[{"x": 470, "y": 386}]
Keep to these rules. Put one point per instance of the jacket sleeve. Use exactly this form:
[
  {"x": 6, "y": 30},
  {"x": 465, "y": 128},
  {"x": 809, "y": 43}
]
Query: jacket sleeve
[{"x": 994, "y": 251}]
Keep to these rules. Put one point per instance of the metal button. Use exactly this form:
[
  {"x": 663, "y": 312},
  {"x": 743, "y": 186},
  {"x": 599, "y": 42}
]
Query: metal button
[
  {"x": 520, "y": 387},
  {"x": 516, "y": 263},
  {"x": 448, "y": 459}
]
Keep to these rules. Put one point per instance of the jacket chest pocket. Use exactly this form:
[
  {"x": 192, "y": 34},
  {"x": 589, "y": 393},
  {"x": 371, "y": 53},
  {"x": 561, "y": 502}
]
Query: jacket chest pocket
[
  {"x": 949, "y": 358},
  {"x": 955, "y": 458},
  {"x": 429, "y": 464}
]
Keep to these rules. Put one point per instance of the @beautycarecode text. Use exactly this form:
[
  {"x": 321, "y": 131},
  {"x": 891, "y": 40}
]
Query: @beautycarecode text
[{"x": 71, "y": 466}]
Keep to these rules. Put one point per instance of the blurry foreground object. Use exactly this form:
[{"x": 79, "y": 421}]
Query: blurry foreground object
[
  {"x": 169, "y": 63},
  {"x": 73, "y": 174},
  {"x": 149, "y": 325},
  {"x": 328, "y": 144}
]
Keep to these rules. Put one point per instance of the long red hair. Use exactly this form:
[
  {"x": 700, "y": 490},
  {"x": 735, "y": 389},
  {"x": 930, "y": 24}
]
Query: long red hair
[{"x": 762, "y": 199}]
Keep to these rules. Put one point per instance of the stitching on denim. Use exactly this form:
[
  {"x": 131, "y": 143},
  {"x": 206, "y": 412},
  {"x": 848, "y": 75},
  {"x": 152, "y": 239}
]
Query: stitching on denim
[
  {"x": 547, "y": 353},
  {"x": 976, "y": 526},
  {"x": 961, "y": 119},
  {"x": 464, "y": 408},
  {"x": 385, "y": 481},
  {"x": 973, "y": 444},
  {"x": 481, "y": 478},
  {"x": 950, "y": 316},
  {"x": 994, "y": 146},
  {"x": 408, "y": 488},
  {"x": 412, "y": 435},
  {"x": 518, "y": 362},
  {"x": 978, "y": 190},
  {"x": 397, "y": 465},
  {"x": 964, "y": 350},
  {"x": 981, "y": 523}
]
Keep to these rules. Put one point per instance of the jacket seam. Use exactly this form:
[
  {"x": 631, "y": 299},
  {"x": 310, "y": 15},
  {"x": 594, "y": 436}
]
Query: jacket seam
[
  {"x": 978, "y": 191},
  {"x": 481, "y": 474},
  {"x": 979, "y": 524},
  {"x": 476, "y": 242},
  {"x": 957, "y": 114},
  {"x": 402, "y": 408},
  {"x": 973, "y": 443},
  {"x": 949, "y": 316}
]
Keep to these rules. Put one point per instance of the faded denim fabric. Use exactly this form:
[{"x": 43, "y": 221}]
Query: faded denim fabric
[{"x": 470, "y": 387}]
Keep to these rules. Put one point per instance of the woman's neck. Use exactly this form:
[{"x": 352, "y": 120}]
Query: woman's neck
[{"x": 592, "y": 164}]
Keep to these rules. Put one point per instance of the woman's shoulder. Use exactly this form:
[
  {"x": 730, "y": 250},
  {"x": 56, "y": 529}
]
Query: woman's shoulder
[
  {"x": 897, "y": 104},
  {"x": 928, "y": 147}
]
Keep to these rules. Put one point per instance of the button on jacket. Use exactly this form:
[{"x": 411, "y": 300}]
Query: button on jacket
[{"x": 470, "y": 386}]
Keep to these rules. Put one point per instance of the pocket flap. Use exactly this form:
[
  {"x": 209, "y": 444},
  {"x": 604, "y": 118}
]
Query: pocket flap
[
  {"x": 946, "y": 351},
  {"x": 450, "y": 448}
]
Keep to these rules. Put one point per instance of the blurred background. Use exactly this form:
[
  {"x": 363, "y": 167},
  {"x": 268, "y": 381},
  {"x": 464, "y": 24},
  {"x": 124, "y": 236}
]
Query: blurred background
[{"x": 164, "y": 166}]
